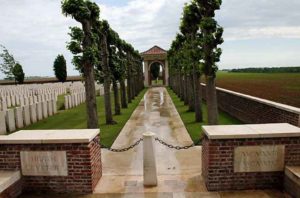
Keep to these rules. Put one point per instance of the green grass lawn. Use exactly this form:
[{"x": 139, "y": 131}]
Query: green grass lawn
[
  {"x": 158, "y": 82},
  {"x": 188, "y": 118},
  {"x": 76, "y": 119}
]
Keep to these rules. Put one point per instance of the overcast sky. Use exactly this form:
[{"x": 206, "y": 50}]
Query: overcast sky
[{"x": 257, "y": 32}]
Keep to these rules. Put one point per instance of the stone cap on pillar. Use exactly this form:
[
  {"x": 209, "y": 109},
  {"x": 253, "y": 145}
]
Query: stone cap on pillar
[
  {"x": 275, "y": 130},
  {"x": 50, "y": 136}
]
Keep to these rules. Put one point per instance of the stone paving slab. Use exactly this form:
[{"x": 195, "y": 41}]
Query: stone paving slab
[{"x": 179, "y": 172}]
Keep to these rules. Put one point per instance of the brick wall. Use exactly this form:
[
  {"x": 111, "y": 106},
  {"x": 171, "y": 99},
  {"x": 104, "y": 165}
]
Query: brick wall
[
  {"x": 218, "y": 164},
  {"x": 254, "y": 110},
  {"x": 84, "y": 166}
]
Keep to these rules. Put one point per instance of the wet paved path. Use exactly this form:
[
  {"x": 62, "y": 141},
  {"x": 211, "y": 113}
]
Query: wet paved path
[{"x": 179, "y": 172}]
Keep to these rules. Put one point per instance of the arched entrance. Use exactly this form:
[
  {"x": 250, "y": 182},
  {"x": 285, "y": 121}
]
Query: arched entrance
[
  {"x": 152, "y": 73},
  {"x": 155, "y": 55}
]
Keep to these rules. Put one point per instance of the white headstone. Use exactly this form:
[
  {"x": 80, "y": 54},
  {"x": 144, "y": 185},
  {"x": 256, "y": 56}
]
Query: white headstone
[
  {"x": 8, "y": 101},
  {"x": 26, "y": 115},
  {"x": 66, "y": 102},
  {"x": 50, "y": 107},
  {"x": 54, "y": 107},
  {"x": 19, "y": 117},
  {"x": 4, "y": 105},
  {"x": 10, "y": 120},
  {"x": 45, "y": 109},
  {"x": 39, "y": 111},
  {"x": 2, "y": 123},
  {"x": 33, "y": 116}
]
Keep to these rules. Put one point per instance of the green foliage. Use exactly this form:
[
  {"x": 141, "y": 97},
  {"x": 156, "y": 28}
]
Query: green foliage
[
  {"x": 81, "y": 10},
  {"x": 60, "y": 68},
  {"x": 155, "y": 68},
  {"x": 7, "y": 64},
  {"x": 18, "y": 73}
]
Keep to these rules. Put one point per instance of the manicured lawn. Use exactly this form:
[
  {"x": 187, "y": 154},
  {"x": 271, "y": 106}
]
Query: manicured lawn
[
  {"x": 188, "y": 118},
  {"x": 76, "y": 119}
]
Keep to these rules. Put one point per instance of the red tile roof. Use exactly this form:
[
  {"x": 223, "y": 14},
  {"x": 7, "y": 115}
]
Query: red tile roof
[{"x": 154, "y": 50}]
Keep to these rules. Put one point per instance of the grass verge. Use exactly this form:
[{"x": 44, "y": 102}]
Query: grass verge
[
  {"x": 76, "y": 119},
  {"x": 188, "y": 118}
]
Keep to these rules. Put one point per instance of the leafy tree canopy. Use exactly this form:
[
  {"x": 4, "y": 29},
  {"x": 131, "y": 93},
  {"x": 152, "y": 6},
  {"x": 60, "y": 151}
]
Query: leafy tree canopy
[
  {"x": 60, "y": 68},
  {"x": 18, "y": 73}
]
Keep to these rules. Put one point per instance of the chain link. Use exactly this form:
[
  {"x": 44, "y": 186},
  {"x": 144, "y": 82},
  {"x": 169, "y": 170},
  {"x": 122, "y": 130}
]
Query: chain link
[
  {"x": 156, "y": 139},
  {"x": 177, "y": 147},
  {"x": 123, "y": 149}
]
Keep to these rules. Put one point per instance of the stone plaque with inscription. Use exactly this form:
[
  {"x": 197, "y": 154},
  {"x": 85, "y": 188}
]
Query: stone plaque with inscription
[
  {"x": 259, "y": 158},
  {"x": 44, "y": 163}
]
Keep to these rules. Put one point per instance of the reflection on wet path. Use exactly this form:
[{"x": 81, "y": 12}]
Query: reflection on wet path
[{"x": 155, "y": 113}]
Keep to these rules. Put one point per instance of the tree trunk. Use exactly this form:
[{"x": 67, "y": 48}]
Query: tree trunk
[
  {"x": 186, "y": 96},
  {"x": 211, "y": 101},
  {"x": 123, "y": 94},
  {"x": 116, "y": 98},
  {"x": 191, "y": 94},
  {"x": 129, "y": 83},
  {"x": 181, "y": 84},
  {"x": 88, "y": 71},
  {"x": 197, "y": 98},
  {"x": 105, "y": 64}
]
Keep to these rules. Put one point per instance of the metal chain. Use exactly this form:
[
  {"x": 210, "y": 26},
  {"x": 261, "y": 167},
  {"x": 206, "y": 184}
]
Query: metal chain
[
  {"x": 177, "y": 147},
  {"x": 123, "y": 149}
]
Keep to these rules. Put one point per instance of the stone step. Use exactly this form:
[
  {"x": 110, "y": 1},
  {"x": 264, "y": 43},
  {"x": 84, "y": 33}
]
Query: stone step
[
  {"x": 9, "y": 183},
  {"x": 292, "y": 180}
]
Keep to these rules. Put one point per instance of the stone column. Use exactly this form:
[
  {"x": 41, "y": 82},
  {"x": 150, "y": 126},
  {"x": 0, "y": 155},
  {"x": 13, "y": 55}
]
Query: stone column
[
  {"x": 150, "y": 173},
  {"x": 146, "y": 77},
  {"x": 166, "y": 73}
]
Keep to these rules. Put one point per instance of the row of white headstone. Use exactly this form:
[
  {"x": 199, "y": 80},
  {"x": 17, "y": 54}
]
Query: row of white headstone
[
  {"x": 19, "y": 117},
  {"x": 20, "y": 95},
  {"x": 74, "y": 100}
]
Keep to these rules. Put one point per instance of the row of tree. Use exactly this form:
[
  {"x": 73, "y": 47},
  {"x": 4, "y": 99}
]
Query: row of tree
[
  {"x": 10, "y": 67},
  {"x": 194, "y": 53},
  {"x": 267, "y": 70},
  {"x": 13, "y": 70},
  {"x": 100, "y": 54}
]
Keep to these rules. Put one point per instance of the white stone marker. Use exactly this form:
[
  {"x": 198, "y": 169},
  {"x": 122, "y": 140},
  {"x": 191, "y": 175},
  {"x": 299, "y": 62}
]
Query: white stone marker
[
  {"x": 10, "y": 120},
  {"x": 50, "y": 108},
  {"x": 8, "y": 101},
  {"x": 4, "y": 105},
  {"x": 19, "y": 117},
  {"x": 26, "y": 115},
  {"x": 66, "y": 102},
  {"x": 39, "y": 111},
  {"x": 2, "y": 123},
  {"x": 150, "y": 173},
  {"x": 33, "y": 116},
  {"x": 45, "y": 109},
  {"x": 17, "y": 98},
  {"x": 54, "y": 107},
  {"x": 22, "y": 103},
  {"x": 13, "y": 100},
  {"x": 70, "y": 101}
]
